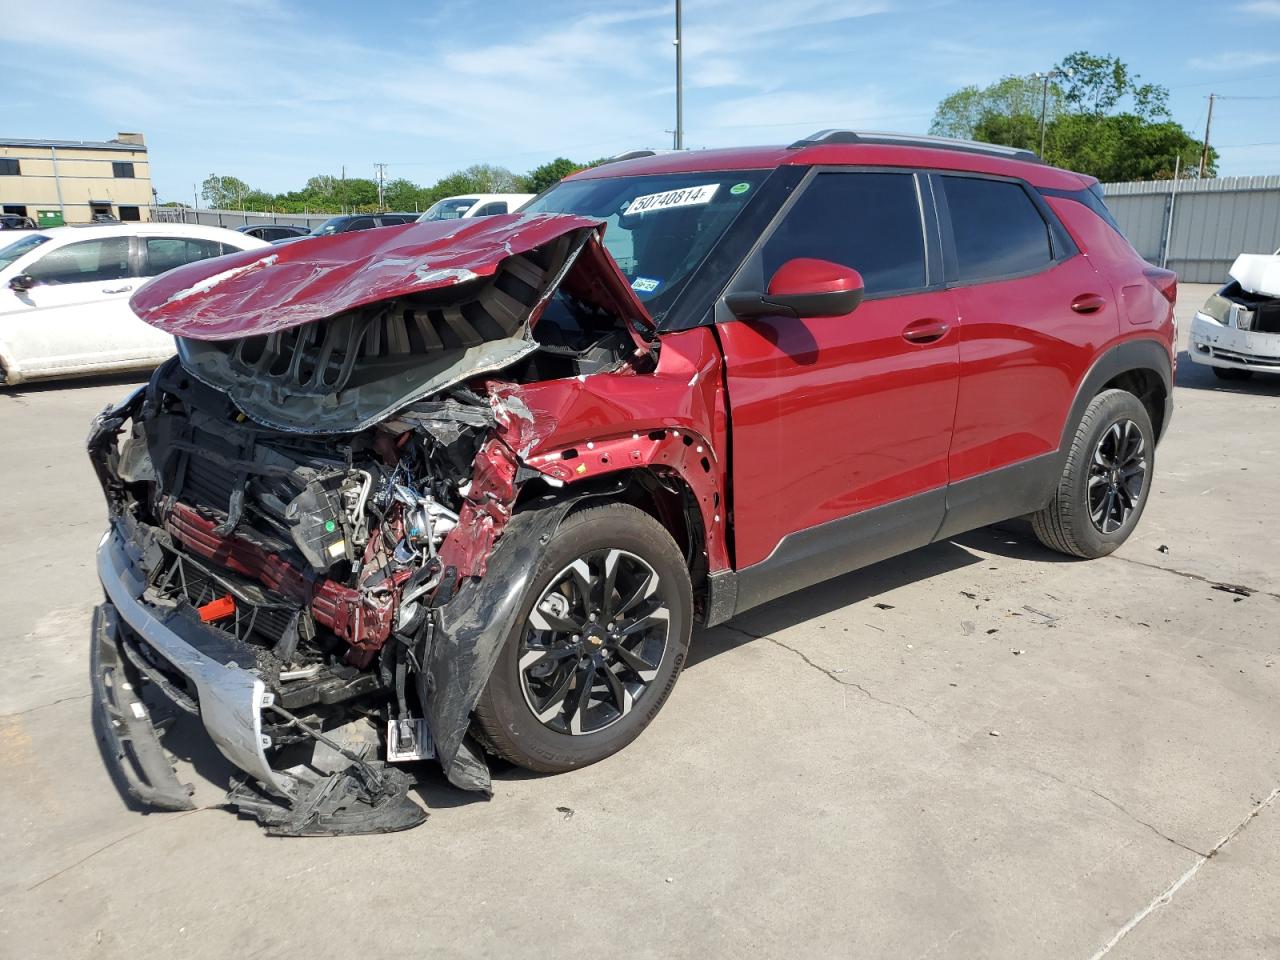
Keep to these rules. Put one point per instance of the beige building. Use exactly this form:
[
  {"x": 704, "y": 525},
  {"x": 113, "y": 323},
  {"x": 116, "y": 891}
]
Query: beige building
[{"x": 70, "y": 181}]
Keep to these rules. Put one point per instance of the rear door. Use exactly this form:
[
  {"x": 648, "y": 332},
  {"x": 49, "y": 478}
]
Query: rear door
[
  {"x": 1033, "y": 315},
  {"x": 67, "y": 320},
  {"x": 834, "y": 417}
]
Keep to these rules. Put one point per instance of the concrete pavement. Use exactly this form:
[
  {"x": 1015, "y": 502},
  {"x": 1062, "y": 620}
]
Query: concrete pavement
[{"x": 978, "y": 749}]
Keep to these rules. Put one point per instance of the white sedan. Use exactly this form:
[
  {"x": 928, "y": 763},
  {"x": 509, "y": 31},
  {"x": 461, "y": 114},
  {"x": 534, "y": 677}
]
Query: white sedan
[{"x": 64, "y": 295}]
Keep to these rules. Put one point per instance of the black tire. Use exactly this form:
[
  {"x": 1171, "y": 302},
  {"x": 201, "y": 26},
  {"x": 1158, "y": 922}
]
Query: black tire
[
  {"x": 1068, "y": 523},
  {"x": 505, "y": 711},
  {"x": 1232, "y": 373}
]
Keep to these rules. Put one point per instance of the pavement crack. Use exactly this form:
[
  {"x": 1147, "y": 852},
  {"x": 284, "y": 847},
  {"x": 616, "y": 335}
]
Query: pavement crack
[
  {"x": 45, "y": 706},
  {"x": 1119, "y": 806},
  {"x": 107, "y": 846},
  {"x": 1169, "y": 892},
  {"x": 1198, "y": 578},
  {"x": 838, "y": 678}
]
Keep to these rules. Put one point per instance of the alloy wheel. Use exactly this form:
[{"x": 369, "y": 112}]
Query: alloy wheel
[
  {"x": 594, "y": 641},
  {"x": 1117, "y": 475}
]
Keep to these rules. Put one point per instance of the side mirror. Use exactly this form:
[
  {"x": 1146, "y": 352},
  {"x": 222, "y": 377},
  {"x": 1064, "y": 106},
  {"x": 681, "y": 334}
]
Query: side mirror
[
  {"x": 22, "y": 282},
  {"x": 803, "y": 287}
]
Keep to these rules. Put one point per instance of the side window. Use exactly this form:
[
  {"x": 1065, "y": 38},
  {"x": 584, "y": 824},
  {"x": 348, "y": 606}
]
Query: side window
[
  {"x": 868, "y": 221},
  {"x": 90, "y": 261},
  {"x": 998, "y": 230},
  {"x": 491, "y": 209},
  {"x": 165, "y": 253},
  {"x": 360, "y": 223}
]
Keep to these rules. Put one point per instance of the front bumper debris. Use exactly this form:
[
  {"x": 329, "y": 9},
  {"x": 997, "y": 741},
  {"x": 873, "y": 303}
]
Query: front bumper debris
[
  {"x": 1216, "y": 344},
  {"x": 362, "y": 797}
]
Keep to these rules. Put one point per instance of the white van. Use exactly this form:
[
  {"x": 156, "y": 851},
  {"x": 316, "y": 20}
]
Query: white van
[
  {"x": 475, "y": 205},
  {"x": 64, "y": 295}
]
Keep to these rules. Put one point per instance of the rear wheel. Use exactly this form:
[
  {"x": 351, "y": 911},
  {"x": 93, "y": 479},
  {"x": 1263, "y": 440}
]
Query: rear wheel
[
  {"x": 602, "y": 635},
  {"x": 1104, "y": 483},
  {"x": 1232, "y": 373}
]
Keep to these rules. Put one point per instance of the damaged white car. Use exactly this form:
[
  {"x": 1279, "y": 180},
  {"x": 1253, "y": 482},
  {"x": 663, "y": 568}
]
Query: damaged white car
[{"x": 1237, "y": 331}]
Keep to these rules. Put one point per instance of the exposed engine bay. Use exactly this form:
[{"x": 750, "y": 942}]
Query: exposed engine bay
[{"x": 308, "y": 509}]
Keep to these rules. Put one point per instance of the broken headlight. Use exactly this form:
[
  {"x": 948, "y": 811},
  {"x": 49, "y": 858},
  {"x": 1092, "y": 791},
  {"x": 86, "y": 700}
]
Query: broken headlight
[{"x": 1219, "y": 309}]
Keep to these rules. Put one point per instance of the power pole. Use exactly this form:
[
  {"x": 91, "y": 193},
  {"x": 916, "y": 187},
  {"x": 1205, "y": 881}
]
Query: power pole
[
  {"x": 342, "y": 200},
  {"x": 381, "y": 169},
  {"x": 1044, "y": 78},
  {"x": 1204, "y": 153},
  {"x": 679, "y": 133}
]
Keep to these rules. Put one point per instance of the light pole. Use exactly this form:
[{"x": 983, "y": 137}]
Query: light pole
[
  {"x": 1044, "y": 78},
  {"x": 679, "y": 132}
]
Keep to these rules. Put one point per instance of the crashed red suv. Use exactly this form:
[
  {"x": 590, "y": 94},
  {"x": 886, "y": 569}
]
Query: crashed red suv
[{"x": 464, "y": 488}]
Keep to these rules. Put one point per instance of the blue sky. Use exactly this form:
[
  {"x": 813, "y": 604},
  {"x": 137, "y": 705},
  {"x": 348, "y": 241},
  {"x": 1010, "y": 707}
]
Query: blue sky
[{"x": 274, "y": 91}]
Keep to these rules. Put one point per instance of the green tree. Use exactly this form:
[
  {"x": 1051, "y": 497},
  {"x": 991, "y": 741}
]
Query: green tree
[
  {"x": 1124, "y": 147},
  {"x": 1097, "y": 85},
  {"x": 549, "y": 174},
  {"x": 490, "y": 179},
  {"x": 1016, "y": 99},
  {"x": 223, "y": 193}
]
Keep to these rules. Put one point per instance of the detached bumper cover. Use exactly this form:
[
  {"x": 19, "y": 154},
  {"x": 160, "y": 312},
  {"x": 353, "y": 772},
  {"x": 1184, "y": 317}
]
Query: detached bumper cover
[
  {"x": 1217, "y": 345},
  {"x": 230, "y": 698}
]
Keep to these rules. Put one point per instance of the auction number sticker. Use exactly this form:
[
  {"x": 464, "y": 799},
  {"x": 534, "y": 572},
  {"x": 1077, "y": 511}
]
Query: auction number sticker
[
  {"x": 670, "y": 199},
  {"x": 645, "y": 284}
]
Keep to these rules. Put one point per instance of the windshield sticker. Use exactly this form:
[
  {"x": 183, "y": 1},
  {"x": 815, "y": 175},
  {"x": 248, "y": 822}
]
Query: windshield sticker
[
  {"x": 668, "y": 199},
  {"x": 739, "y": 188},
  {"x": 644, "y": 285}
]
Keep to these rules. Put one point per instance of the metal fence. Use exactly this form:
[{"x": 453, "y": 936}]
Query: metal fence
[
  {"x": 1198, "y": 227},
  {"x": 233, "y": 218}
]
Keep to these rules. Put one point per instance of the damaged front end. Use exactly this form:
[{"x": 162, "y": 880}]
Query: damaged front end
[
  {"x": 1238, "y": 328},
  {"x": 314, "y": 544}
]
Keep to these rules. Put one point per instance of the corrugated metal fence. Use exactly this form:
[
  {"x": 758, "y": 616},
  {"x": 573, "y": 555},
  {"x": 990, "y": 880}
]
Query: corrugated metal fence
[
  {"x": 234, "y": 218},
  {"x": 1200, "y": 227}
]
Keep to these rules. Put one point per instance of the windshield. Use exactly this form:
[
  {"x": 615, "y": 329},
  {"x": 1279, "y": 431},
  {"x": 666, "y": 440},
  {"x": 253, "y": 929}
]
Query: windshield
[
  {"x": 20, "y": 247},
  {"x": 329, "y": 226},
  {"x": 659, "y": 228},
  {"x": 451, "y": 209}
]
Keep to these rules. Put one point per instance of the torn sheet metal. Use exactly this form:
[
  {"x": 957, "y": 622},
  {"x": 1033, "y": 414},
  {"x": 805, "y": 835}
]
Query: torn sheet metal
[{"x": 1257, "y": 273}]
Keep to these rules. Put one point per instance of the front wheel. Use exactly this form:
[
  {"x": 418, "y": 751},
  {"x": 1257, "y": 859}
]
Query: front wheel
[
  {"x": 1105, "y": 481},
  {"x": 602, "y": 635}
]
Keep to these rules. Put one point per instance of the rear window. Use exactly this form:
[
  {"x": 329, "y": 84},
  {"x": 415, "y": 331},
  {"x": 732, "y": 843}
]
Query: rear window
[{"x": 998, "y": 229}]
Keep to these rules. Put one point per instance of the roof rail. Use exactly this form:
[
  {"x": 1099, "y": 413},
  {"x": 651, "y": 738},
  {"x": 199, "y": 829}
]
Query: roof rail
[
  {"x": 635, "y": 155},
  {"x": 824, "y": 137}
]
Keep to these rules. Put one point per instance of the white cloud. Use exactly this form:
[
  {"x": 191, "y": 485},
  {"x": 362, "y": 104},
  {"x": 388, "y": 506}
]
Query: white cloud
[
  {"x": 1261, "y": 8},
  {"x": 1234, "y": 60}
]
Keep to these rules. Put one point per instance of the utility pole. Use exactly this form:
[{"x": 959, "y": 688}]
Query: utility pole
[
  {"x": 1044, "y": 78},
  {"x": 381, "y": 169},
  {"x": 342, "y": 199},
  {"x": 679, "y": 133},
  {"x": 1204, "y": 153}
]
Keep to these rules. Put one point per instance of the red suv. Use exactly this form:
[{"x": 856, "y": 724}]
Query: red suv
[{"x": 464, "y": 488}]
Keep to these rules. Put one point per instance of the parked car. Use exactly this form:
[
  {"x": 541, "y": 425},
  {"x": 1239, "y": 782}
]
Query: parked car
[
  {"x": 478, "y": 482},
  {"x": 273, "y": 231},
  {"x": 354, "y": 221},
  {"x": 475, "y": 205},
  {"x": 64, "y": 295},
  {"x": 1237, "y": 331},
  {"x": 15, "y": 221}
]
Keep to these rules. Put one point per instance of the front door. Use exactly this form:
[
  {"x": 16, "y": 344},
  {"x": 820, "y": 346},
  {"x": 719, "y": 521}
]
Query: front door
[{"x": 841, "y": 425}]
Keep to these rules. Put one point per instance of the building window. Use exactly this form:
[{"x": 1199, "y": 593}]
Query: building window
[
  {"x": 122, "y": 169},
  {"x": 129, "y": 213},
  {"x": 9, "y": 167}
]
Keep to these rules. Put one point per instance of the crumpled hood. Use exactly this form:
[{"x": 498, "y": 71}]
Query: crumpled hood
[
  {"x": 265, "y": 291},
  {"x": 1258, "y": 273}
]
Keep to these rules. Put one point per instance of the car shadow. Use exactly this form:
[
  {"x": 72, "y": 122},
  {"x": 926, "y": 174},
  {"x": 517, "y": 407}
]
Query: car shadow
[
  {"x": 18, "y": 391},
  {"x": 1197, "y": 376}
]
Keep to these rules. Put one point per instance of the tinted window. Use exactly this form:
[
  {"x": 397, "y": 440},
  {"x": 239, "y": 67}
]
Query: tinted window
[
  {"x": 997, "y": 228},
  {"x": 491, "y": 209},
  {"x": 165, "y": 253},
  {"x": 360, "y": 223},
  {"x": 90, "y": 261},
  {"x": 868, "y": 221}
]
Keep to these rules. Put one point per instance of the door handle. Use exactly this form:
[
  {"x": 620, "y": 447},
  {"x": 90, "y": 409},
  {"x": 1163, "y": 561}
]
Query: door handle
[
  {"x": 1088, "y": 303},
  {"x": 125, "y": 289},
  {"x": 924, "y": 331}
]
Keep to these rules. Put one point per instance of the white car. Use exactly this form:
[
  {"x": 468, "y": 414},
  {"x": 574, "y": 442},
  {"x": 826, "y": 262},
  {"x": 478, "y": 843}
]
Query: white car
[
  {"x": 64, "y": 295},
  {"x": 1237, "y": 331},
  {"x": 475, "y": 205}
]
